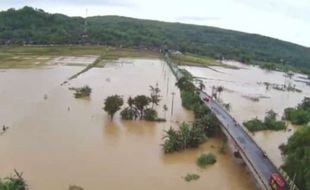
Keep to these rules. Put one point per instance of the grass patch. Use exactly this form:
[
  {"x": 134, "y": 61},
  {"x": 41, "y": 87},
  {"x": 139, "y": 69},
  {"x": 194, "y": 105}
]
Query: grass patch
[
  {"x": 206, "y": 159},
  {"x": 194, "y": 60},
  {"x": 191, "y": 177},
  {"x": 222, "y": 146}
]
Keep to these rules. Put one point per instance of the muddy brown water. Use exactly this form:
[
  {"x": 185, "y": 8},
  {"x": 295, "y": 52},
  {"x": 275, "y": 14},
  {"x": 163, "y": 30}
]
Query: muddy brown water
[
  {"x": 244, "y": 82},
  {"x": 55, "y": 148}
]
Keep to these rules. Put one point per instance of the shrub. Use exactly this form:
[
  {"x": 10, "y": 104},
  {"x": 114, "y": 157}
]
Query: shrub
[
  {"x": 129, "y": 114},
  {"x": 299, "y": 115},
  {"x": 206, "y": 159},
  {"x": 185, "y": 137},
  {"x": 82, "y": 92},
  {"x": 15, "y": 182},
  {"x": 270, "y": 123},
  {"x": 150, "y": 114},
  {"x": 189, "y": 99},
  {"x": 190, "y": 177}
]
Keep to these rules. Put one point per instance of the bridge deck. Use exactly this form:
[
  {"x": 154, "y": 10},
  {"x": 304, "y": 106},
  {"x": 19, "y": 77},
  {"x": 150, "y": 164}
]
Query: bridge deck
[{"x": 262, "y": 164}]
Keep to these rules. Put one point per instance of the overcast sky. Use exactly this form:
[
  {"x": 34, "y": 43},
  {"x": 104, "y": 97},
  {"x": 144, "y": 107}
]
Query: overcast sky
[{"x": 283, "y": 19}]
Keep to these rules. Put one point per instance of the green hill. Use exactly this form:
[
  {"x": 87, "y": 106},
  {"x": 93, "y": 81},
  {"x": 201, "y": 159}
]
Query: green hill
[{"x": 34, "y": 26}]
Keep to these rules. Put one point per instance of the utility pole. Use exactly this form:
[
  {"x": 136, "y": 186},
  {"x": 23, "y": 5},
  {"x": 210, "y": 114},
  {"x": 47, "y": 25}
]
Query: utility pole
[{"x": 173, "y": 93}]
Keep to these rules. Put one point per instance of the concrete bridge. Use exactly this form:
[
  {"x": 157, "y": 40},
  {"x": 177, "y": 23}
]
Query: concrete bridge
[{"x": 254, "y": 157}]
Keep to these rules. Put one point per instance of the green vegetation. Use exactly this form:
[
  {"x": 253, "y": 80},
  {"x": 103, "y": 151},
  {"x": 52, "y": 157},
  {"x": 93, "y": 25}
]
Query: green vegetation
[
  {"x": 150, "y": 114},
  {"x": 140, "y": 102},
  {"x": 15, "y": 182},
  {"x": 297, "y": 157},
  {"x": 82, "y": 92},
  {"x": 191, "y": 177},
  {"x": 299, "y": 115},
  {"x": 155, "y": 97},
  {"x": 186, "y": 136},
  {"x": 222, "y": 147},
  {"x": 268, "y": 66},
  {"x": 34, "y": 26},
  {"x": 193, "y": 60},
  {"x": 189, "y": 99},
  {"x": 138, "y": 106},
  {"x": 269, "y": 123},
  {"x": 74, "y": 187},
  {"x": 112, "y": 104},
  {"x": 206, "y": 159},
  {"x": 190, "y": 136}
]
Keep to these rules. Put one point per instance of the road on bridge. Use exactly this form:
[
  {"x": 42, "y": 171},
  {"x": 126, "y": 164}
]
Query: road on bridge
[{"x": 256, "y": 156}]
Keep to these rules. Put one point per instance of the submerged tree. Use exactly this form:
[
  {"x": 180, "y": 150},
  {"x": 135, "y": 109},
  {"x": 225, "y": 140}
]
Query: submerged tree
[
  {"x": 155, "y": 97},
  {"x": 140, "y": 102},
  {"x": 82, "y": 92},
  {"x": 112, "y": 104},
  {"x": 15, "y": 182}
]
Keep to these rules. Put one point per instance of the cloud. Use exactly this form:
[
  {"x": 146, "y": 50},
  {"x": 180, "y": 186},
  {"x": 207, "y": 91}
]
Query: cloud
[
  {"x": 197, "y": 19},
  {"x": 295, "y": 9}
]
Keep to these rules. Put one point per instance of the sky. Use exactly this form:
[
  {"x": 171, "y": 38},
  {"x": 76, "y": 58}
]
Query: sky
[{"x": 287, "y": 20}]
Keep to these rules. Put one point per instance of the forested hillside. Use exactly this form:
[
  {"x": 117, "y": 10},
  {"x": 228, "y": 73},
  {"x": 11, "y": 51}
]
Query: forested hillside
[{"x": 33, "y": 26}]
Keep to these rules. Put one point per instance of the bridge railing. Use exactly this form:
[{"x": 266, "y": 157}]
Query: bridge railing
[{"x": 288, "y": 180}]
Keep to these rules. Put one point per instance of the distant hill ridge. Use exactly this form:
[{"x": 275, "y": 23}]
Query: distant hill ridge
[{"x": 34, "y": 26}]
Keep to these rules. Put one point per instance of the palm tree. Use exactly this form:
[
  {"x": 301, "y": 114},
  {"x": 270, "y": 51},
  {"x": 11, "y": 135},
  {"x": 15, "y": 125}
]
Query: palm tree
[
  {"x": 130, "y": 101},
  {"x": 155, "y": 97}
]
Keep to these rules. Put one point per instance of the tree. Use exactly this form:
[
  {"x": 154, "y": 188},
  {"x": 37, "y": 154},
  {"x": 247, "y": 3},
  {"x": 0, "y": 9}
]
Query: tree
[
  {"x": 297, "y": 157},
  {"x": 130, "y": 102},
  {"x": 219, "y": 89},
  {"x": 150, "y": 114},
  {"x": 299, "y": 115},
  {"x": 141, "y": 101},
  {"x": 112, "y": 104},
  {"x": 155, "y": 97}
]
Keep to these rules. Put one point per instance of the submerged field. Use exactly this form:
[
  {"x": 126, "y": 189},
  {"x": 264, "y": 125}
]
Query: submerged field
[
  {"x": 34, "y": 56},
  {"x": 56, "y": 147}
]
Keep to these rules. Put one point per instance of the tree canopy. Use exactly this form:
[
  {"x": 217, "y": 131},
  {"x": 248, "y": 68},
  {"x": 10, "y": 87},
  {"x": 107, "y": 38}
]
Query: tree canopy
[
  {"x": 112, "y": 104},
  {"x": 297, "y": 157}
]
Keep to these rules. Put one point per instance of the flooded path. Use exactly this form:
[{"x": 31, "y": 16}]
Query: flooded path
[
  {"x": 55, "y": 147},
  {"x": 242, "y": 86}
]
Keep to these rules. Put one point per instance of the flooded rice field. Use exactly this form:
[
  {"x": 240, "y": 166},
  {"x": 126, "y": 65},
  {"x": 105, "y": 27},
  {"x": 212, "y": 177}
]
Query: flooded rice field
[
  {"x": 250, "y": 93},
  {"x": 57, "y": 140}
]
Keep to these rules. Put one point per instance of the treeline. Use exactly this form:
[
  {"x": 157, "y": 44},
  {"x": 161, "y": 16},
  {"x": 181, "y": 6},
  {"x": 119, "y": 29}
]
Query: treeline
[
  {"x": 34, "y": 26},
  {"x": 190, "y": 135}
]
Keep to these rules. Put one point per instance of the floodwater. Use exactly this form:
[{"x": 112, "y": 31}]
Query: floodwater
[
  {"x": 57, "y": 140},
  {"x": 245, "y": 83}
]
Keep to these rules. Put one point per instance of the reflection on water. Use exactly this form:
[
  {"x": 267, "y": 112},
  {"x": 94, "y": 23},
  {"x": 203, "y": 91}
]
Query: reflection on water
[
  {"x": 243, "y": 85},
  {"x": 55, "y": 146}
]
